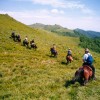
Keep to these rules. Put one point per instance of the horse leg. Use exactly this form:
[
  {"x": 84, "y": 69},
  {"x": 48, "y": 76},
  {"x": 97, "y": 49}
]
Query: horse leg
[
  {"x": 56, "y": 54},
  {"x": 27, "y": 45},
  {"x": 67, "y": 61},
  {"x": 86, "y": 78},
  {"x": 85, "y": 82}
]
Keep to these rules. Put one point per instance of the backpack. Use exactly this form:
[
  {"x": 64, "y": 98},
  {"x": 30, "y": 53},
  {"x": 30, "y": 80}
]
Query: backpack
[{"x": 89, "y": 59}]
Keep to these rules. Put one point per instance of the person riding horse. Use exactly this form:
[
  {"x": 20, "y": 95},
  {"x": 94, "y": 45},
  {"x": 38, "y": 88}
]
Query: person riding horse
[
  {"x": 33, "y": 45},
  {"x": 53, "y": 50},
  {"x": 86, "y": 62},
  {"x": 13, "y": 35},
  {"x": 86, "y": 71},
  {"x": 25, "y": 42},
  {"x": 69, "y": 56},
  {"x": 18, "y": 38}
]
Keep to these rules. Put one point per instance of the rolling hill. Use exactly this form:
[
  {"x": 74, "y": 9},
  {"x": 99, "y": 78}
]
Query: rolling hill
[
  {"x": 56, "y": 29},
  {"x": 66, "y": 32},
  {"x": 91, "y": 34},
  {"x": 34, "y": 75}
]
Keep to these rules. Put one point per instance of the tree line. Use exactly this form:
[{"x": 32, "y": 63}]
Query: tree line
[{"x": 91, "y": 43}]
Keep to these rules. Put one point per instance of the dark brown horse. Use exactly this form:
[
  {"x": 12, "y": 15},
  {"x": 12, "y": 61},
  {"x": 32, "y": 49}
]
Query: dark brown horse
[
  {"x": 13, "y": 36},
  {"x": 83, "y": 75},
  {"x": 69, "y": 59},
  {"x": 53, "y": 52},
  {"x": 33, "y": 45},
  {"x": 25, "y": 43},
  {"x": 17, "y": 38}
]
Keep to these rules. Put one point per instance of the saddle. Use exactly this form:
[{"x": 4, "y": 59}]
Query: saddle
[{"x": 87, "y": 69}]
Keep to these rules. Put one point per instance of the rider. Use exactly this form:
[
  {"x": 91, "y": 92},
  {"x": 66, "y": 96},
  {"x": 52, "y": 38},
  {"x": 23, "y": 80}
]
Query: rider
[
  {"x": 13, "y": 34},
  {"x": 53, "y": 49},
  {"x": 85, "y": 57},
  {"x": 69, "y": 52},
  {"x": 18, "y": 36},
  {"x": 26, "y": 39}
]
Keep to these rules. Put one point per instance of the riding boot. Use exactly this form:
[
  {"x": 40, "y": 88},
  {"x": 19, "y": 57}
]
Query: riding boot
[
  {"x": 93, "y": 76},
  {"x": 93, "y": 70}
]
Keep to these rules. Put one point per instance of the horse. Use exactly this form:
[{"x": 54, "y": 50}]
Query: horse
[
  {"x": 25, "y": 43},
  {"x": 17, "y": 38},
  {"x": 13, "y": 36},
  {"x": 83, "y": 75},
  {"x": 33, "y": 45},
  {"x": 53, "y": 52},
  {"x": 69, "y": 59}
]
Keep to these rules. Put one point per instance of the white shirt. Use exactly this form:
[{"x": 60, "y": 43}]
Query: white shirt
[
  {"x": 26, "y": 38},
  {"x": 86, "y": 56}
]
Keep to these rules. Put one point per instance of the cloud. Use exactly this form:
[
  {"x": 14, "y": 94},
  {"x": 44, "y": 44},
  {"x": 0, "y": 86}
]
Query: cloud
[
  {"x": 54, "y": 16},
  {"x": 53, "y": 3},
  {"x": 87, "y": 11},
  {"x": 65, "y": 5},
  {"x": 56, "y": 11}
]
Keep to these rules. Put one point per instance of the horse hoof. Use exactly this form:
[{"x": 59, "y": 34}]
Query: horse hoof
[{"x": 94, "y": 78}]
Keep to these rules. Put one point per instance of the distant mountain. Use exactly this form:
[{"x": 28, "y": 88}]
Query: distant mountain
[
  {"x": 37, "y": 25},
  {"x": 65, "y": 31},
  {"x": 46, "y": 27},
  {"x": 56, "y": 29},
  {"x": 91, "y": 34}
]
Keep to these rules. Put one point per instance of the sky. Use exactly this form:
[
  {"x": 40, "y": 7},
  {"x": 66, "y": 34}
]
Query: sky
[{"x": 72, "y": 14}]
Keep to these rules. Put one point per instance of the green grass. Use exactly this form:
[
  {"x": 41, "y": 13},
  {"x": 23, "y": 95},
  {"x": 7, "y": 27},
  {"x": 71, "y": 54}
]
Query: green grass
[{"x": 26, "y": 74}]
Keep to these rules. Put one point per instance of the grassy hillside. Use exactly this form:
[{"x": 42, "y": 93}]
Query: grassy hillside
[{"x": 26, "y": 74}]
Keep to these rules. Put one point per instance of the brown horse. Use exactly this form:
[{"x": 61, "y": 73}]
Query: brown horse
[
  {"x": 69, "y": 59},
  {"x": 83, "y": 75},
  {"x": 26, "y": 43},
  {"x": 13, "y": 36},
  {"x": 33, "y": 45},
  {"x": 17, "y": 38}
]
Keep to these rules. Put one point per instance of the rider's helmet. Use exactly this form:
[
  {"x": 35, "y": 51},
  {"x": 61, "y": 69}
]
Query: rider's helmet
[{"x": 86, "y": 50}]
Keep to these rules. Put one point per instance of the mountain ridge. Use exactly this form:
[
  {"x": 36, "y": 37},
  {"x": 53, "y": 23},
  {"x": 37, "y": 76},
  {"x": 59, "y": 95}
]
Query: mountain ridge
[{"x": 65, "y": 31}]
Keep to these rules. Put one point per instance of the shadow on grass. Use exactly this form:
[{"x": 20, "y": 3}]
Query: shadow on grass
[
  {"x": 68, "y": 83},
  {"x": 63, "y": 63},
  {"x": 72, "y": 84},
  {"x": 51, "y": 56}
]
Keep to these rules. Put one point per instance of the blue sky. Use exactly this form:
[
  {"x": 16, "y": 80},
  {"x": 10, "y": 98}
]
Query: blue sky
[{"x": 71, "y": 14}]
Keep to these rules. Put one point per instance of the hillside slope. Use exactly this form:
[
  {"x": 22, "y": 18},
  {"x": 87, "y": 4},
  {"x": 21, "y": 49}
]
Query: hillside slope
[{"x": 34, "y": 75}]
